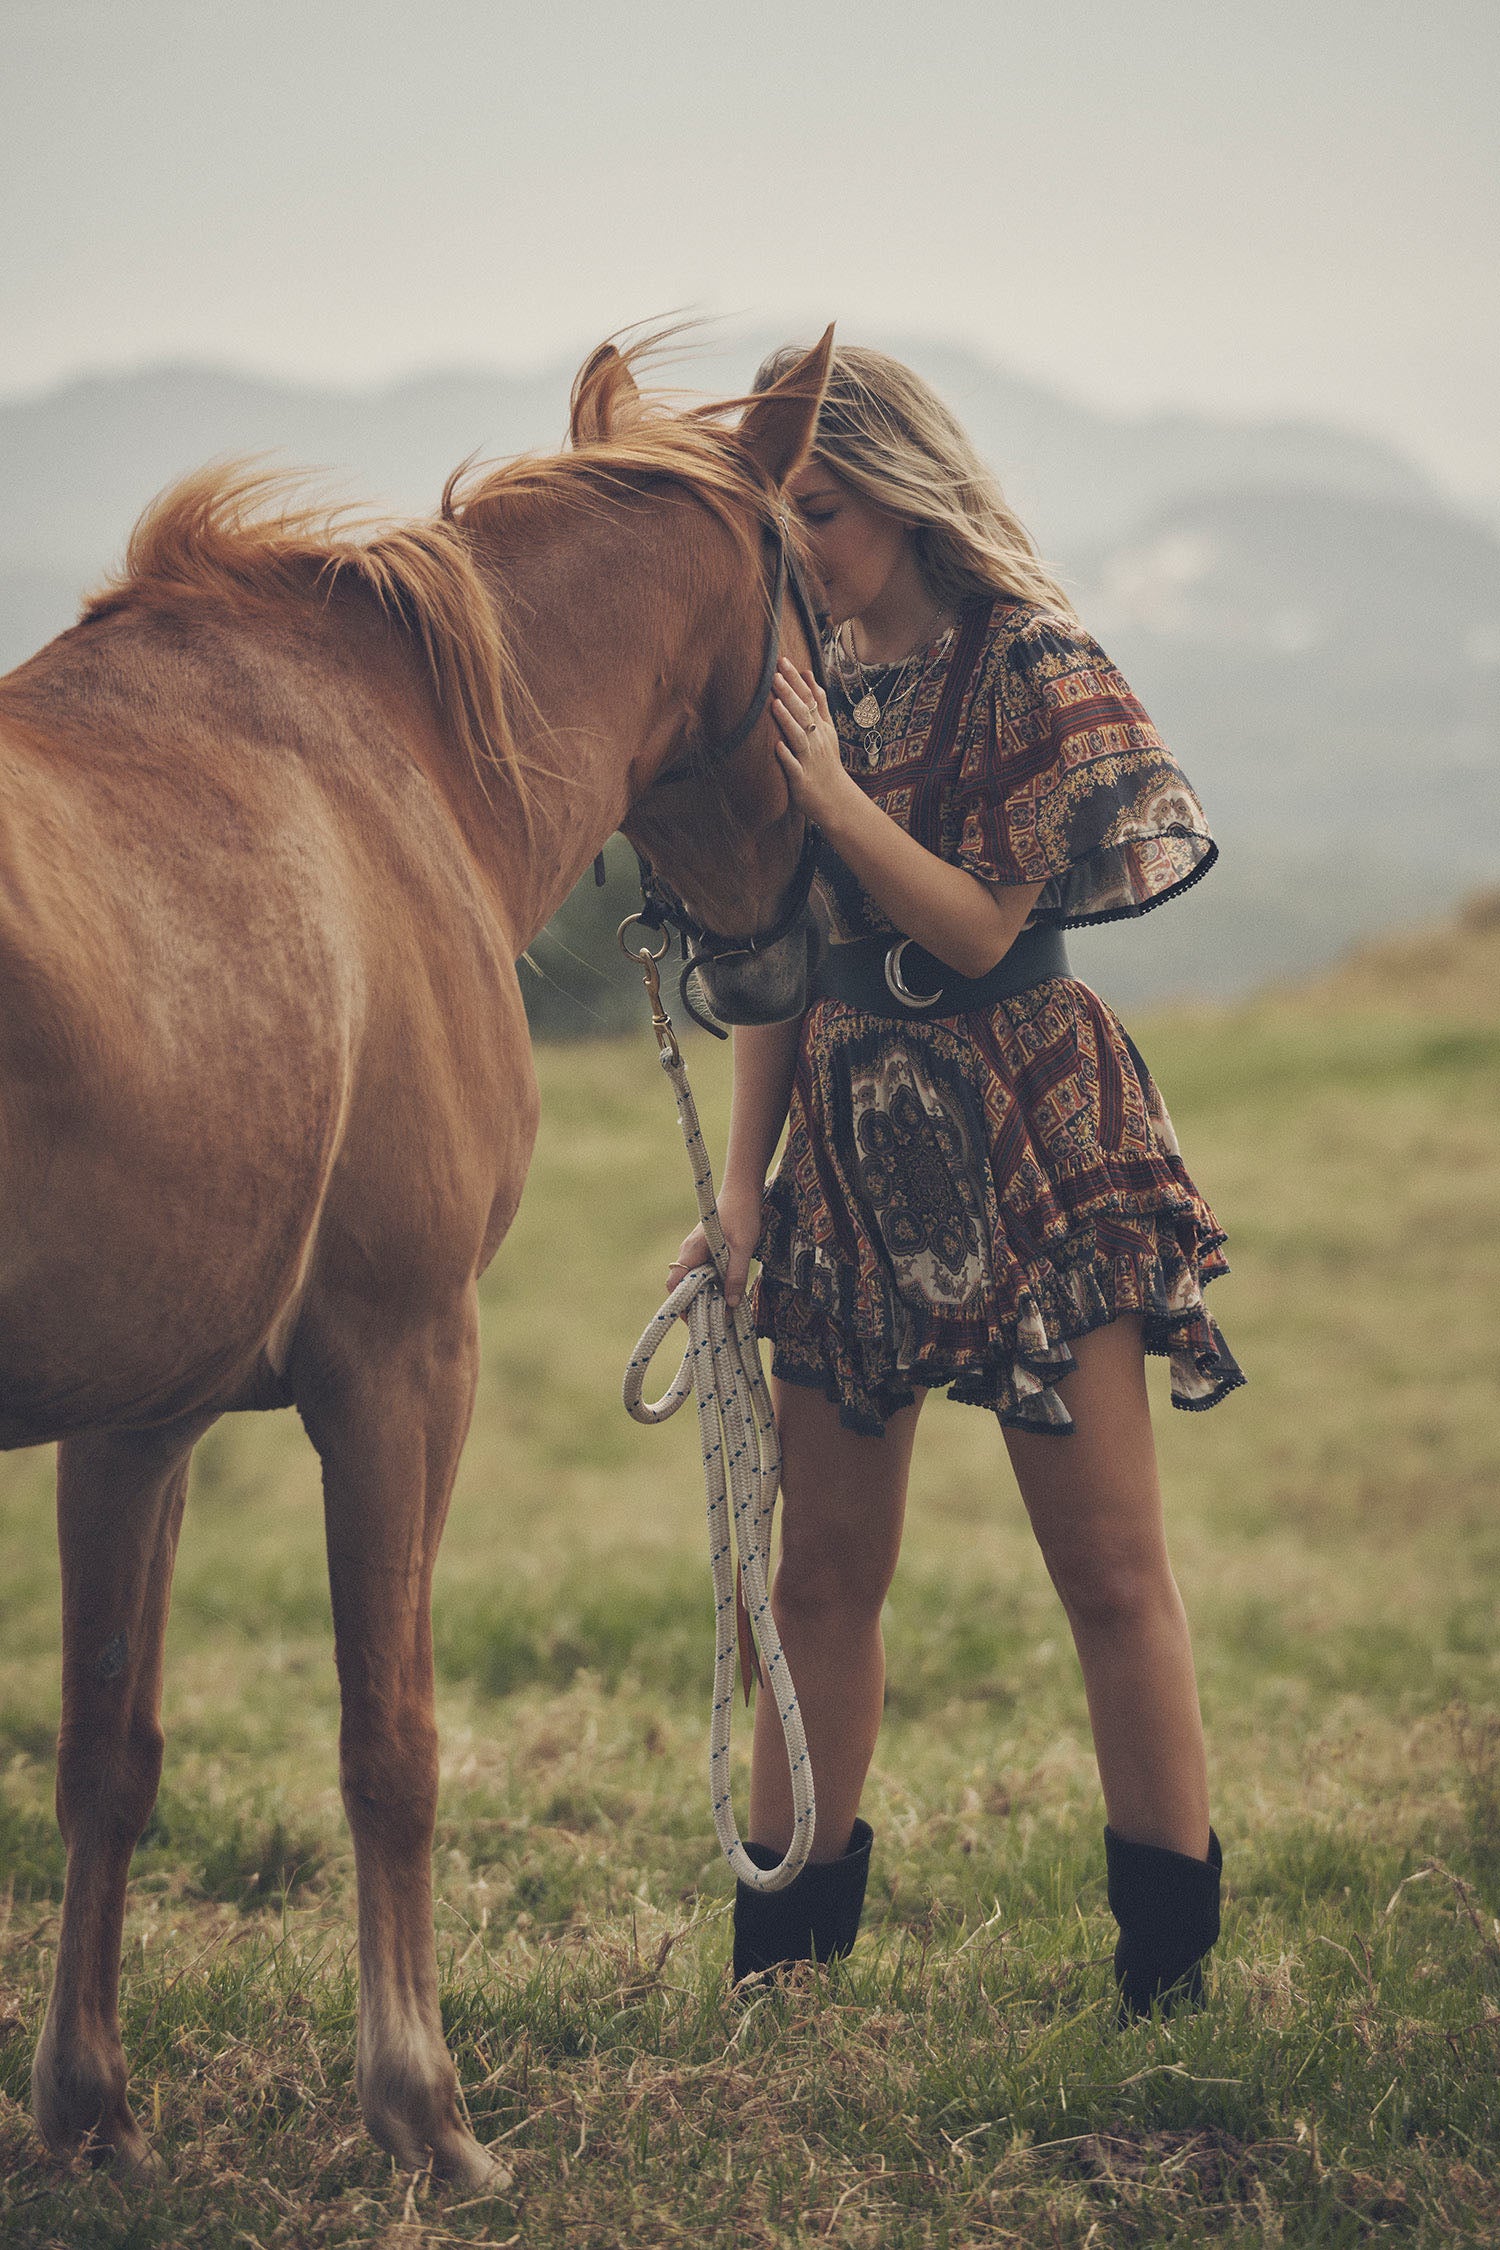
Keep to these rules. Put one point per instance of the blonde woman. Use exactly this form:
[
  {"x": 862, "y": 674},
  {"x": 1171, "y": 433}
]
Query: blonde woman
[{"x": 981, "y": 1189}]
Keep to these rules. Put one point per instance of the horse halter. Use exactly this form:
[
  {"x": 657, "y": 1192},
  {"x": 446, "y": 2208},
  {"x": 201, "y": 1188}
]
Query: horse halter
[{"x": 661, "y": 909}]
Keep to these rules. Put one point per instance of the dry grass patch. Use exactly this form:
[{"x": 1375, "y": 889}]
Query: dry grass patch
[{"x": 959, "y": 2081}]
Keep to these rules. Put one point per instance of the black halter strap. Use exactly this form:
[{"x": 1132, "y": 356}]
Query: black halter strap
[
  {"x": 785, "y": 568},
  {"x": 660, "y": 907},
  {"x": 762, "y": 696}
]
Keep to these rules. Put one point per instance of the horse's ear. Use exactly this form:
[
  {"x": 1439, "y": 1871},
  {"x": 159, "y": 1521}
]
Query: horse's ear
[
  {"x": 777, "y": 430},
  {"x": 605, "y": 398}
]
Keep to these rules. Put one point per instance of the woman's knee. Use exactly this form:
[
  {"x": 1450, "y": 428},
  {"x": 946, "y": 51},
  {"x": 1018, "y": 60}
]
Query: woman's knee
[
  {"x": 823, "y": 1582},
  {"x": 1114, "y": 1589}
]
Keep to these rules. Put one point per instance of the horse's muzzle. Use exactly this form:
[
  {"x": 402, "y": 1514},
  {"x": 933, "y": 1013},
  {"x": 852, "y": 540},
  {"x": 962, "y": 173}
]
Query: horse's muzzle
[{"x": 766, "y": 986}]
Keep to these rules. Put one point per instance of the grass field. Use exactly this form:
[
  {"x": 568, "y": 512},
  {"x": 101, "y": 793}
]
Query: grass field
[{"x": 958, "y": 2081}]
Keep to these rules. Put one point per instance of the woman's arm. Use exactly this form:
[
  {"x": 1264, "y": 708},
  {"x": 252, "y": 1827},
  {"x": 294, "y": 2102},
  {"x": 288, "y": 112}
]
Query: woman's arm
[
  {"x": 966, "y": 923},
  {"x": 765, "y": 1059}
]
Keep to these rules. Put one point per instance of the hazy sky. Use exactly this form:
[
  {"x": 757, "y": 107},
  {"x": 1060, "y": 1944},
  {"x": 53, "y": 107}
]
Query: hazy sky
[{"x": 1277, "y": 206}]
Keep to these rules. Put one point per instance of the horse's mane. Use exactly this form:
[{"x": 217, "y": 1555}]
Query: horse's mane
[
  {"x": 236, "y": 534},
  {"x": 625, "y": 437},
  {"x": 243, "y": 538}
]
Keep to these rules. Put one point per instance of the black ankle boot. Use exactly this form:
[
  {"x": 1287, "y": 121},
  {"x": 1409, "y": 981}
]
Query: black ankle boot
[
  {"x": 1167, "y": 1906},
  {"x": 817, "y": 1914}
]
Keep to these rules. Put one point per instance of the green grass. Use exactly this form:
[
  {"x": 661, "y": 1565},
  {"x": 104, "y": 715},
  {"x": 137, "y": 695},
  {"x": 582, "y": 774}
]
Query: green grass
[{"x": 959, "y": 2081}]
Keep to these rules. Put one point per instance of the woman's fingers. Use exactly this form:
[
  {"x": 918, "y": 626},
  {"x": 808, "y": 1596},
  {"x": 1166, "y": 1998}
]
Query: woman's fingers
[
  {"x": 737, "y": 1273},
  {"x": 799, "y": 705},
  {"x": 797, "y": 693},
  {"x": 789, "y": 717},
  {"x": 792, "y": 743},
  {"x": 694, "y": 1252},
  {"x": 807, "y": 743},
  {"x": 804, "y": 682},
  {"x": 796, "y": 779}
]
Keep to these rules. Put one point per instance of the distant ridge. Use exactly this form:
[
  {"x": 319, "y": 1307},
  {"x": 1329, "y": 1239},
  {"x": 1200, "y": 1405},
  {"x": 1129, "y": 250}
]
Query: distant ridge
[
  {"x": 1312, "y": 623},
  {"x": 1450, "y": 967},
  {"x": 79, "y": 461}
]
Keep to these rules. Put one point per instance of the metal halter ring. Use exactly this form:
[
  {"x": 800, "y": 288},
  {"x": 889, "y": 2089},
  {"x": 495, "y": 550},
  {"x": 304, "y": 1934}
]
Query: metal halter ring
[
  {"x": 643, "y": 952},
  {"x": 897, "y": 984}
]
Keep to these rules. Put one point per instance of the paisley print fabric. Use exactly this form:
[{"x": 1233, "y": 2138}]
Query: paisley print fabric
[
  {"x": 919, "y": 1171},
  {"x": 958, "y": 1200}
]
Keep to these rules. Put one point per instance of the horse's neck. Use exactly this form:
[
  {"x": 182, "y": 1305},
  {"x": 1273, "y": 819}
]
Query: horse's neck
[{"x": 602, "y": 633}]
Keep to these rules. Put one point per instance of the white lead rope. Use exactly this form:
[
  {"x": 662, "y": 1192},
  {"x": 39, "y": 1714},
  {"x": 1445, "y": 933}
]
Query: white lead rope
[{"x": 741, "y": 1470}]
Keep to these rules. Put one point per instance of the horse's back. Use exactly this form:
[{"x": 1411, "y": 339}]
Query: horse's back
[{"x": 211, "y": 978}]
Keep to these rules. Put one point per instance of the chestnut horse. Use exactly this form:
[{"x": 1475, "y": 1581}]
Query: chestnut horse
[{"x": 277, "y": 818}]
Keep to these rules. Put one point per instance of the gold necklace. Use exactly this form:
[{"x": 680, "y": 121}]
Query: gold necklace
[{"x": 868, "y": 711}]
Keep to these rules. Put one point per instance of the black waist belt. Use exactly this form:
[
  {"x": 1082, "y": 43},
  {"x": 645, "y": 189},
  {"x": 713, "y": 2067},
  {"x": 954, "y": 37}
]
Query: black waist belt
[{"x": 897, "y": 977}]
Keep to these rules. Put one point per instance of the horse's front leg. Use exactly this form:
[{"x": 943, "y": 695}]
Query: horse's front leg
[
  {"x": 388, "y": 1415},
  {"x": 119, "y": 1510}
]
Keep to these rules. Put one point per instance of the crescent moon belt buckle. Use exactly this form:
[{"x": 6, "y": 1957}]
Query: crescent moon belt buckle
[{"x": 897, "y": 985}]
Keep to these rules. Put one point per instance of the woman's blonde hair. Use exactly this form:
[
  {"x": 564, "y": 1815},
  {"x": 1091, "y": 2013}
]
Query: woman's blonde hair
[{"x": 886, "y": 433}]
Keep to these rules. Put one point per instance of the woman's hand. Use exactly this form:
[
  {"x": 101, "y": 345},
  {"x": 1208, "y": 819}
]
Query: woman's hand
[
  {"x": 808, "y": 744},
  {"x": 739, "y": 1216}
]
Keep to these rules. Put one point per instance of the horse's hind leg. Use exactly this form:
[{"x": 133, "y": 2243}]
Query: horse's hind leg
[
  {"x": 388, "y": 1416},
  {"x": 119, "y": 1509}
]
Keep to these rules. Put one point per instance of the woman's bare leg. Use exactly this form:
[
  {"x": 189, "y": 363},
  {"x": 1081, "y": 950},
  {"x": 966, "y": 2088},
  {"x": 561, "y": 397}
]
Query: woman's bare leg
[
  {"x": 843, "y": 1503},
  {"x": 1095, "y": 1505}
]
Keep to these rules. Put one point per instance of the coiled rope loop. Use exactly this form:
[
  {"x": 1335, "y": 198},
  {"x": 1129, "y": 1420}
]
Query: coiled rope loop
[{"x": 741, "y": 1471}]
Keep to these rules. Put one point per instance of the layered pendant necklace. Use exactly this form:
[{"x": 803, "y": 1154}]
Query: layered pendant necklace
[{"x": 868, "y": 710}]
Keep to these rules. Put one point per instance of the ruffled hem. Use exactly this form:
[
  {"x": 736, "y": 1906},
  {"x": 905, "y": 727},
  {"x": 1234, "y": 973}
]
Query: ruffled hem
[
  {"x": 1014, "y": 1372},
  {"x": 1092, "y": 918}
]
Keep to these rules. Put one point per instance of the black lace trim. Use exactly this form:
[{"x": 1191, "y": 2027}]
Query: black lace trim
[{"x": 1146, "y": 905}]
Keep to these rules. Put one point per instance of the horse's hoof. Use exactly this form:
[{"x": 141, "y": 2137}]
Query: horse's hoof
[
  {"x": 122, "y": 2148},
  {"x": 417, "y": 2116},
  {"x": 133, "y": 2158},
  {"x": 463, "y": 2162},
  {"x": 83, "y": 2111}
]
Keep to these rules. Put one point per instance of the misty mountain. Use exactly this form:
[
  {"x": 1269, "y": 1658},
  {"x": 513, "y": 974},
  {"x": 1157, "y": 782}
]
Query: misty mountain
[
  {"x": 1330, "y": 665},
  {"x": 1366, "y": 585},
  {"x": 1314, "y": 627},
  {"x": 1081, "y": 478},
  {"x": 79, "y": 462}
]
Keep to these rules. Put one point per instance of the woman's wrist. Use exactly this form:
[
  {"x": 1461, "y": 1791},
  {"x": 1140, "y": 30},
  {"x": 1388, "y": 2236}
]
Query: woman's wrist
[
  {"x": 848, "y": 818},
  {"x": 742, "y": 1185}
]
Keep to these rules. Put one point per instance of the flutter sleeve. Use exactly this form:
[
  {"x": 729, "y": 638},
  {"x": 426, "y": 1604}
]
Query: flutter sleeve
[{"x": 1065, "y": 781}]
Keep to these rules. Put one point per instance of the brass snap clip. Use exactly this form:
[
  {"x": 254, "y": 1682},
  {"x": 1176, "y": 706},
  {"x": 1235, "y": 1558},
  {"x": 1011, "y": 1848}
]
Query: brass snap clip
[{"x": 661, "y": 1022}]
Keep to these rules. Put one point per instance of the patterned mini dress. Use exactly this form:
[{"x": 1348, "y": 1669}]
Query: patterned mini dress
[{"x": 958, "y": 1200}]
